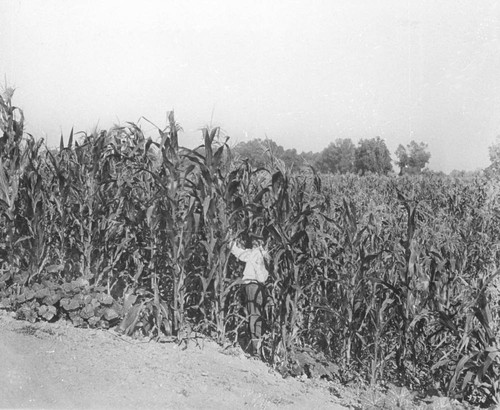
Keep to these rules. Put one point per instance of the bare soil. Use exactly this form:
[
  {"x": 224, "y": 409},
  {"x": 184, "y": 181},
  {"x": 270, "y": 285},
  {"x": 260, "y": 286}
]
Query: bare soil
[{"x": 59, "y": 366}]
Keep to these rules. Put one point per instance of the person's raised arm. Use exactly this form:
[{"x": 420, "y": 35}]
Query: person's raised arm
[{"x": 242, "y": 254}]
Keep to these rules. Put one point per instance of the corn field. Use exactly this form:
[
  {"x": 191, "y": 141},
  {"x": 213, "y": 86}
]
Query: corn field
[{"x": 389, "y": 278}]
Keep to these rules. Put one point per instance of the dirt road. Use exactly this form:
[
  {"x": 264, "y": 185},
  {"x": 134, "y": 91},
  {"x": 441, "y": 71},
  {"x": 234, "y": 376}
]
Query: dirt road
[{"x": 59, "y": 366}]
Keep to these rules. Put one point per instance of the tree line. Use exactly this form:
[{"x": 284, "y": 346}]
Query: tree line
[{"x": 341, "y": 156}]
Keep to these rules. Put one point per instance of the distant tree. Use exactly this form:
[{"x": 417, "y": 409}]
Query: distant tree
[
  {"x": 272, "y": 149},
  {"x": 310, "y": 158},
  {"x": 253, "y": 151},
  {"x": 291, "y": 158},
  {"x": 372, "y": 155},
  {"x": 259, "y": 153},
  {"x": 338, "y": 157},
  {"x": 412, "y": 158},
  {"x": 459, "y": 173},
  {"x": 494, "y": 153}
]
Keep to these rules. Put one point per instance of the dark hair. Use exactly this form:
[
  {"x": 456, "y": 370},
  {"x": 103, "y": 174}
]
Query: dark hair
[
  {"x": 246, "y": 240},
  {"x": 249, "y": 239}
]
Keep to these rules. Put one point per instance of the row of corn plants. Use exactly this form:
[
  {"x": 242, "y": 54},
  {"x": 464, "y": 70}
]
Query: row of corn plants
[{"x": 389, "y": 279}]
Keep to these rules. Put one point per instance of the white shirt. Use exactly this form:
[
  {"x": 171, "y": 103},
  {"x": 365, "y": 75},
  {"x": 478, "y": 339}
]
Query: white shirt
[{"x": 255, "y": 268}]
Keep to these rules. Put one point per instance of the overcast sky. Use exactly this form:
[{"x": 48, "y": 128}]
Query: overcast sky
[{"x": 302, "y": 73}]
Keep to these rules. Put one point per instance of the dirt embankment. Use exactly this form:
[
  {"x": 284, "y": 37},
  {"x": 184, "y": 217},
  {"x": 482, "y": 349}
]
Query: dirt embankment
[{"x": 59, "y": 366}]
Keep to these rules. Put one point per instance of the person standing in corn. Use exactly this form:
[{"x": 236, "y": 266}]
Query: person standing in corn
[{"x": 254, "y": 278}]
